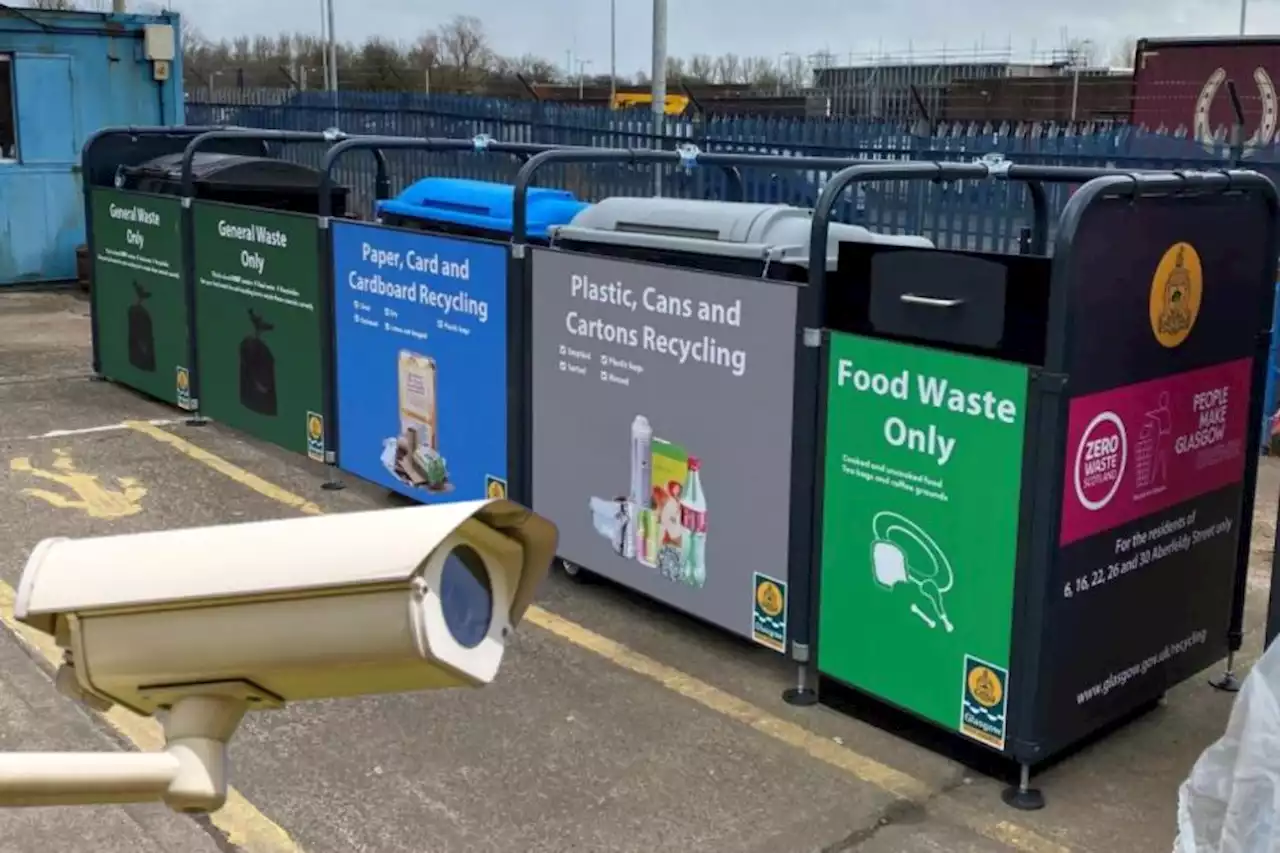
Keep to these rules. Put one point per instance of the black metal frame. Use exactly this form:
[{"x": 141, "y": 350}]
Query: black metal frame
[
  {"x": 1046, "y": 413},
  {"x": 94, "y": 165},
  {"x": 515, "y": 292}
]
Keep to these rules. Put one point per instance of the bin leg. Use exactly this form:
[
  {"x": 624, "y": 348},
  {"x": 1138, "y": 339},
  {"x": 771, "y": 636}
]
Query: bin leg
[
  {"x": 331, "y": 482},
  {"x": 574, "y": 572},
  {"x": 1227, "y": 682},
  {"x": 1022, "y": 796},
  {"x": 802, "y": 695}
]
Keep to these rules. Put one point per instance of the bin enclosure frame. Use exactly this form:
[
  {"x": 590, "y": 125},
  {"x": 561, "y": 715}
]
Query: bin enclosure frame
[
  {"x": 1045, "y": 417},
  {"x": 515, "y": 291},
  {"x": 810, "y": 301},
  {"x": 325, "y": 306}
]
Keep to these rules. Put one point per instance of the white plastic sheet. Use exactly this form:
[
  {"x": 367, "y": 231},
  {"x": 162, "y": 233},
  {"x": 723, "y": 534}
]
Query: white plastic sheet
[{"x": 1231, "y": 801}]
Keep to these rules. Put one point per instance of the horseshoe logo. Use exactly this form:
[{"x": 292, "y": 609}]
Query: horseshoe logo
[{"x": 1266, "y": 126}]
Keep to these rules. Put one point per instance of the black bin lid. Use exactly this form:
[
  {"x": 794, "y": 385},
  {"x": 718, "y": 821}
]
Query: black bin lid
[{"x": 233, "y": 171}]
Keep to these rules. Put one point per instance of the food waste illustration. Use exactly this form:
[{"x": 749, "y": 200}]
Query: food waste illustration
[
  {"x": 929, "y": 569},
  {"x": 662, "y": 522},
  {"x": 413, "y": 455}
]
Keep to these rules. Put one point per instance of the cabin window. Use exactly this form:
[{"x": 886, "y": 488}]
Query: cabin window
[{"x": 8, "y": 111}]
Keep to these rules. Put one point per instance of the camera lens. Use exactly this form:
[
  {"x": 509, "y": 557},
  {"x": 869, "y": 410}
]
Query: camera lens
[{"x": 466, "y": 597}]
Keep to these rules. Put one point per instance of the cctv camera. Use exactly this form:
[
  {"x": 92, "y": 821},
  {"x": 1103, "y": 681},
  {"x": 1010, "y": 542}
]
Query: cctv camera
[{"x": 273, "y": 612}]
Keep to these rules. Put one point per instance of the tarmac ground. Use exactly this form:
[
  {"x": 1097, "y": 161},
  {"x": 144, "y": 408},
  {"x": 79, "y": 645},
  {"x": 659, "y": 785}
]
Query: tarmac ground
[{"x": 614, "y": 725}]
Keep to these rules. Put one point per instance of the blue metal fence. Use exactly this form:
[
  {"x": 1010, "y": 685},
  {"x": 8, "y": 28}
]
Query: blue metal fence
[{"x": 975, "y": 215}]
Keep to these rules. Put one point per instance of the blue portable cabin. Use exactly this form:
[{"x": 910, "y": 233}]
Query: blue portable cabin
[
  {"x": 469, "y": 208},
  {"x": 64, "y": 75}
]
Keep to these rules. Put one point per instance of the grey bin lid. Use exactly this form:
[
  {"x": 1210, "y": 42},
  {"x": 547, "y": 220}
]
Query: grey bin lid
[{"x": 776, "y": 232}]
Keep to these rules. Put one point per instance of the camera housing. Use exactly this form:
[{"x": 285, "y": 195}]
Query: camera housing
[{"x": 271, "y": 612}]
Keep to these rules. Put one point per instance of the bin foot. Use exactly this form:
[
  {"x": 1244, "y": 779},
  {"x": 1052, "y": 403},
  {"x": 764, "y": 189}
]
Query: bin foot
[
  {"x": 97, "y": 377},
  {"x": 196, "y": 421},
  {"x": 574, "y": 571},
  {"x": 332, "y": 485},
  {"x": 1227, "y": 682},
  {"x": 802, "y": 695},
  {"x": 1022, "y": 796}
]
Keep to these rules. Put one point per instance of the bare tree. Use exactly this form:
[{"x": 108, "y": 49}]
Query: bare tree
[
  {"x": 702, "y": 69},
  {"x": 464, "y": 45},
  {"x": 729, "y": 68},
  {"x": 795, "y": 72},
  {"x": 55, "y": 5},
  {"x": 759, "y": 71}
]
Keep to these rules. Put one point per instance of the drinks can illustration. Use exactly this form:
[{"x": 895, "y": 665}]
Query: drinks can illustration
[
  {"x": 417, "y": 382},
  {"x": 649, "y": 529},
  {"x": 638, "y": 497},
  {"x": 641, "y": 460}
]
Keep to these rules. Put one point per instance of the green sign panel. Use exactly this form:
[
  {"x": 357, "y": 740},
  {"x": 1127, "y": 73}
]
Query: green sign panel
[
  {"x": 919, "y": 529},
  {"x": 138, "y": 293},
  {"x": 258, "y": 323}
]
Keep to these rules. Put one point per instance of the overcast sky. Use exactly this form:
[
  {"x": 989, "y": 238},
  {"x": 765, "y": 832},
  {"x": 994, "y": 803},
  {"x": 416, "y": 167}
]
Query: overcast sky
[{"x": 748, "y": 27}]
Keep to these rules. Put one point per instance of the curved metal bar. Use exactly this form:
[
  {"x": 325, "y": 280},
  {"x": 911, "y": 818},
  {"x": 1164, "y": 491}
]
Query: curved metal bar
[
  {"x": 188, "y": 155},
  {"x": 379, "y": 144},
  {"x": 732, "y": 164}
]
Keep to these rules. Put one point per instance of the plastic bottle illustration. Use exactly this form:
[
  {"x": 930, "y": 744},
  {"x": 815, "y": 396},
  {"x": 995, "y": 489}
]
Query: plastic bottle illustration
[
  {"x": 638, "y": 497},
  {"x": 693, "y": 517}
]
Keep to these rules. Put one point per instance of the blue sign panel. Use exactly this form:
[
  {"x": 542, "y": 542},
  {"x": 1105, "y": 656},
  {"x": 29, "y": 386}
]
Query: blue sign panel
[{"x": 421, "y": 327}]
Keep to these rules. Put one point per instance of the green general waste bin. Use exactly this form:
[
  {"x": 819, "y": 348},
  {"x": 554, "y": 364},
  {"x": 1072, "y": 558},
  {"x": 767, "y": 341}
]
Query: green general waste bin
[
  {"x": 141, "y": 321},
  {"x": 664, "y": 333},
  {"x": 259, "y": 298}
]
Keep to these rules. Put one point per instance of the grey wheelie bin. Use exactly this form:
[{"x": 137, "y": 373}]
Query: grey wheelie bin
[{"x": 663, "y": 347}]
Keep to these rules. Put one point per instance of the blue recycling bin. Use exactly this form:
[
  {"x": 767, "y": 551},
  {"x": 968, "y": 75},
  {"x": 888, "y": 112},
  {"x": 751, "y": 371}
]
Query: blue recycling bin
[
  {"x": 428, "y": 326},
  {"x": 468, "y": 208}
]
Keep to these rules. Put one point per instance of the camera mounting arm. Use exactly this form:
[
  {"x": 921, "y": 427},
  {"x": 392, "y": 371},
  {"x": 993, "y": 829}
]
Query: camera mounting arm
[{"x": 190, "y": 775}]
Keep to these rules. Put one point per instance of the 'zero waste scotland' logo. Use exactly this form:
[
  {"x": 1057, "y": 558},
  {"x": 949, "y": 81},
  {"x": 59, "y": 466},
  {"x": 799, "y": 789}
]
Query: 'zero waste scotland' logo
[{"x": 1101, "y": 457}]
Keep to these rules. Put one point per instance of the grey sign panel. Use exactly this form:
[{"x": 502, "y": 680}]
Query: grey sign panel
[{"x": 662, "y": 431}]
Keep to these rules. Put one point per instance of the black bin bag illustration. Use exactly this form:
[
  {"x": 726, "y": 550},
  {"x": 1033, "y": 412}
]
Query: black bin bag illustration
[
  {"x": 142, "y": 335},
  {"x": 257, "y": 369}
]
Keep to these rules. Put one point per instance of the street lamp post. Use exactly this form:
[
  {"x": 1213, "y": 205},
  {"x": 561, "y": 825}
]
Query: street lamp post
[
  {"x": 659, "y": 84},
  {"x": 582, "y": 69},
  {"x": 1244, "y": 11},
  {"x": 613, "y": 52}
]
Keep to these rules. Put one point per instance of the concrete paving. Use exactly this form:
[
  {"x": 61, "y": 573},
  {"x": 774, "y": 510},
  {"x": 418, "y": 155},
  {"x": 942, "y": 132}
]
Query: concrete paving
[{"x": 573, "y": 748}]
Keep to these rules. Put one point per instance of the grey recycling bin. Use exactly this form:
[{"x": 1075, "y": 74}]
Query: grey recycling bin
[
  {"x": 664, "y": 336},
  {"x": 730, "y": 237}
]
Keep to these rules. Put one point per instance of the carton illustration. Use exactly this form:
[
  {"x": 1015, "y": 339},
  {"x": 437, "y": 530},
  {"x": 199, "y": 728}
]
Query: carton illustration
[
  {"x": 413, "y": 455},
  {"x": 661, "y": 522}
]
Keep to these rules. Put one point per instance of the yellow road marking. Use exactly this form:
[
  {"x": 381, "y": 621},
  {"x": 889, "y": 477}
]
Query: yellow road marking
[
  {"x": 80, "y": 490},
  {"x": 242, "y": 823},
  {"x": 816, "y": 746},
  {"x": 234, "y": 472}
]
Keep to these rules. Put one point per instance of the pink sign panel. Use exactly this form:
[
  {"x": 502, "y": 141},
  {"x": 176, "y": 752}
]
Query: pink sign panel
[{"x": 1142, "y": 448}]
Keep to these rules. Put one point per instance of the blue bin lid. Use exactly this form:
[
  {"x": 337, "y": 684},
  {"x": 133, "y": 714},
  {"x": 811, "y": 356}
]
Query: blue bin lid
[{"x": 481, "y": 204}]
